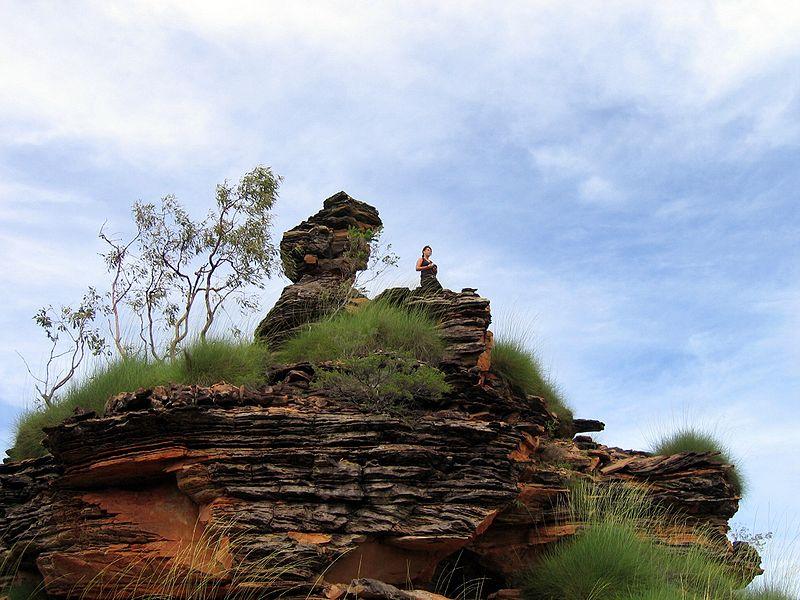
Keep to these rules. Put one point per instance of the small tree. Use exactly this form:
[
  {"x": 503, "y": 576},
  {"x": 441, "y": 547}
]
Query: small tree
[
  {"x": 122, "y": 282},
  {"x": 72, "y": 337},
  {"x": 179, "y": 260},
  {"x": 159, "y": 273},
  {"x": 365, "y": 247}
]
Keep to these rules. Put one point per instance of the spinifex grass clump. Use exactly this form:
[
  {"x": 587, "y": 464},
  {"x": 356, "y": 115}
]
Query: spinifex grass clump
[
  {"x": 690, "y": 439},
  {"x": 613, "y": 556},
  {"x": 521, "y": 369},
  {"x": 384, "y": 356},
  {"x": 376, "y": 326},
  {"x": 201, "y": 363},
  {"x": 239, "y": 363}
]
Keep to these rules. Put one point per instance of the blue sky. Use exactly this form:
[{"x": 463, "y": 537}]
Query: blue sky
[{"x": 619, "y": 178}]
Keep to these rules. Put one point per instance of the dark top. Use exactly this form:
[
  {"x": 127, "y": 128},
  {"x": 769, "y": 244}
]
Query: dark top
[
  {"x": 427, "y": 272},
  {"x": 427, "y": 278}
]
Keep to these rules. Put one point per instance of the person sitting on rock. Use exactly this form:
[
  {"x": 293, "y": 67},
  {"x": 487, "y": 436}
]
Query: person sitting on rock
[{"x": 427, "y": 271}]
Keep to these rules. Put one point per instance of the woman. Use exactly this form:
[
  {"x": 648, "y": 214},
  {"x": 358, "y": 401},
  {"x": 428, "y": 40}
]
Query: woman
[{"x": 427, "y": 271}]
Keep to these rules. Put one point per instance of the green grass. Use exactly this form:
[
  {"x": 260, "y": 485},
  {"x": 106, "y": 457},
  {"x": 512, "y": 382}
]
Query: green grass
[
  {"x": 235, "y": 362},
  {"x": 521, "y": 369},
  {"x": 373, "y": 327},
  {"x": 612, "y": 557},
  {"x": 690, "y": 439},
  {"x": 239, "y": 363},
  {"x": 602, "y": 561}
]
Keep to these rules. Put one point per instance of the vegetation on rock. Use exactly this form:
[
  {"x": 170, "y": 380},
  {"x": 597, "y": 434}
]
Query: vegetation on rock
[
  {"x": 615, "y": 555},
  {"x": 159, "y": 274},
  {"x": 521, "y": 369},
  {"x": 201, "y": 363},
  {"x": 375, "y": 327},
  {"x": 382, "y": 353},
  {"x": 691, "y": 439},
  {"x": 72, "y": 334},
  {"x": 173, "y": 262},
  {"x": 301, "y": 475},
  {"x": 383, "y": 382}
]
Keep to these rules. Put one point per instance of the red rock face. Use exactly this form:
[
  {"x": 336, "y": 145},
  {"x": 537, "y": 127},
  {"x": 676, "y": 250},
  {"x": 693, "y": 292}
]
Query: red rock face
[
  {"x": 161, "y": 512},
  {"x": 283, "y": 472}
]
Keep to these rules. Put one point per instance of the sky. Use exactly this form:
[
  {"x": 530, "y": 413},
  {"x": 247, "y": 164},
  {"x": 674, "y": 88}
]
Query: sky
[{"x": 619, "y": 178}]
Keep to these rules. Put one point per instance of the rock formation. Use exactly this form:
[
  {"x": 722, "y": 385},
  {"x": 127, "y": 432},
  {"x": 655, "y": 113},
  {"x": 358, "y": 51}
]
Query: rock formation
[
  {"x": 321, "y": 256},
  {"x": 312, "y": 494}
]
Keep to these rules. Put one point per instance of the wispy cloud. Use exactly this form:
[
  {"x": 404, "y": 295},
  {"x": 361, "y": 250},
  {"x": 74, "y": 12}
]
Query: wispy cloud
[{"x": 621, "y": 174}]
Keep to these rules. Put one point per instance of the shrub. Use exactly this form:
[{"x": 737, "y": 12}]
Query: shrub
[
  {"x": 521, "y": 369},
  {"x": 202, "y": 363},
  {"x": 689, "y": 439},
  {"x": 383, "y": 382},
  {"x": 376, "y": 326}
]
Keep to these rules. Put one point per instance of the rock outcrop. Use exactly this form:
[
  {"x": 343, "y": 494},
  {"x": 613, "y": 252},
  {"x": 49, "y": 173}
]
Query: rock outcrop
[
  {"x": 311, "y": 495},
  {"x": 464, "y": 318},
  {"x": 321, "y": 256},
  {"x": 288, "y": 472}
]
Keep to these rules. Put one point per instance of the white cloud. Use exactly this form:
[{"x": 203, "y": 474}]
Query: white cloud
[
  {"x": 369, "y": 97},
  {"x": 597, "y": 190},
  {"x": 160, "y": 82}
]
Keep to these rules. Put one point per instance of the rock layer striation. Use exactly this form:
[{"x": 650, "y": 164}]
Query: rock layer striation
[{"x": 311, "y": 496}]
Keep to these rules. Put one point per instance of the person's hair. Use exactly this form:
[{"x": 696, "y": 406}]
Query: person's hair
[{"x": 423, "y": 250}]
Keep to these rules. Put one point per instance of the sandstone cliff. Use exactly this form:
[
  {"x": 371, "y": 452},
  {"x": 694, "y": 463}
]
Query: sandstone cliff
[{"x": 312, "y": 494}]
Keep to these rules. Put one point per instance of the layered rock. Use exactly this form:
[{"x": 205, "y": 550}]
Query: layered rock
[
  {"x": 286, "y": 471},
  {"x": 463, "y": 319},
  {"x": 321, "y": 256},
  {"x": 335, "y": 488},
  {"x": 288, "y": 490}
]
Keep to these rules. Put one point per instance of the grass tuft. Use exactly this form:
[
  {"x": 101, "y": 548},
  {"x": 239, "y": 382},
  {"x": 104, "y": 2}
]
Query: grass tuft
[
  {"x": 239, "y": 363},
  {"x": 613, "y": 556},
  {"x": 690, "y": 439},
  {"x": 521, "y": 369},
  {"x": 376, "y": 326},
  {"x": 769, "y": 592},
  {"x": 235, "y": 362}
]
